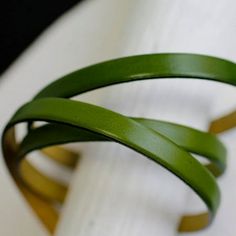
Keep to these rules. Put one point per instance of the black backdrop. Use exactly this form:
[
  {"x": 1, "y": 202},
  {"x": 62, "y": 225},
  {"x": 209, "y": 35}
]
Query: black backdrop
[{"x": 21, "y": 21}]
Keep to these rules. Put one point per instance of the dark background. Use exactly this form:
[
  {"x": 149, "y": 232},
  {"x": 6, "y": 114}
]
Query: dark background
[{"x": 21, "y": 21}]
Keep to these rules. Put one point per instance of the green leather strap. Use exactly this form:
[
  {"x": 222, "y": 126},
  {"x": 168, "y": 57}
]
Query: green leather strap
[
  {"x": 143, "y": 67},
  {"x": 160, "y": 141},
  {"x": 192, "y": 140}
]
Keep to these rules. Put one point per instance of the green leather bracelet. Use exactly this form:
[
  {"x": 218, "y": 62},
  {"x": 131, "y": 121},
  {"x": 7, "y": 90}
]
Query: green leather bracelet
[{"x": 160, "y": 141}]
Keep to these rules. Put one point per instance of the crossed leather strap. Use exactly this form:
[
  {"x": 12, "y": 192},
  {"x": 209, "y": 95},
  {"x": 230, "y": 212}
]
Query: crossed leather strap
[{"x": 168, "y": 144}]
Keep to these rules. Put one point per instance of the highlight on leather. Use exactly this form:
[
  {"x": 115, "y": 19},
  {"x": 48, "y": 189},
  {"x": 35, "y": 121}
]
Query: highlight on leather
[{"x": 168, "y": 144}]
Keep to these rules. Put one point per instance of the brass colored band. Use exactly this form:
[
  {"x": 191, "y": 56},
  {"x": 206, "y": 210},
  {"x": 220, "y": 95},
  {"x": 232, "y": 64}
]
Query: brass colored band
[
  {"x": 45, "y": 211},
  {"x": 61, "y": 155},
  {"x": 223, "y": 123},
  {"x": 43, "y": 207}
]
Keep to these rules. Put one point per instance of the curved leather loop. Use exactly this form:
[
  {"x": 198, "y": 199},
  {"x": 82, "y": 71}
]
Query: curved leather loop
[
  {"x": 129, "y": 69},
  {"x": 192, "y": 140},
  {"x": 126, "y": 131}
]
